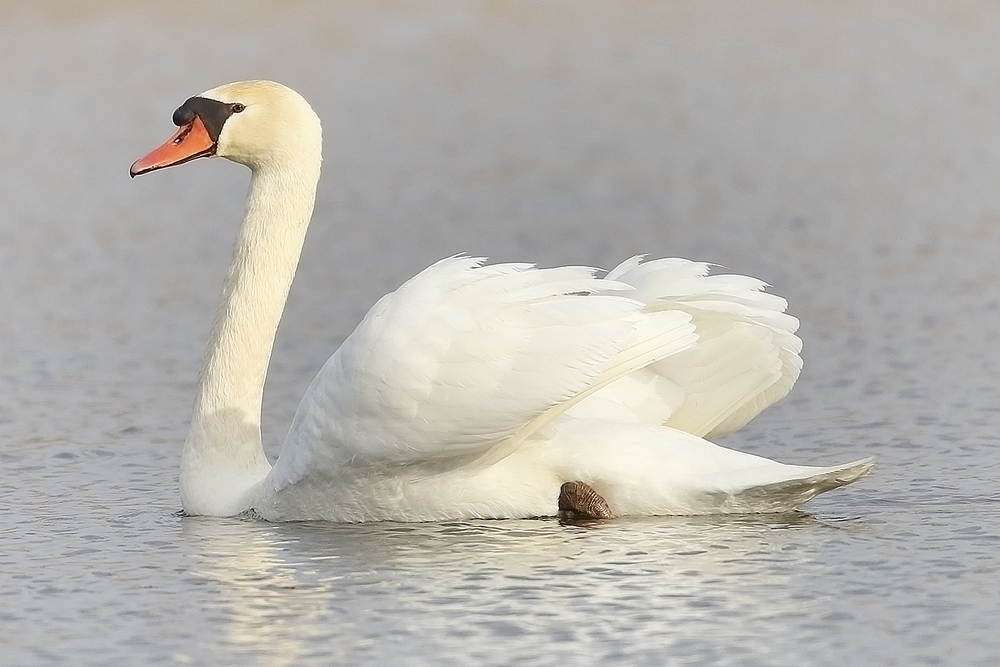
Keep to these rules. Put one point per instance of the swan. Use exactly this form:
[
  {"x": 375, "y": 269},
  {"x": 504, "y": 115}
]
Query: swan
[{"x": 477, "y": 390}]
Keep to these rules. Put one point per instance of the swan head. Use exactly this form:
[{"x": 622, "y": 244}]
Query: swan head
[{"x": 261, "y": 124}]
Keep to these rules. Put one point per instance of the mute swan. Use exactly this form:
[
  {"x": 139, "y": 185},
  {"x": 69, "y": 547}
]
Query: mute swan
[{"x": 475, "y": 390}]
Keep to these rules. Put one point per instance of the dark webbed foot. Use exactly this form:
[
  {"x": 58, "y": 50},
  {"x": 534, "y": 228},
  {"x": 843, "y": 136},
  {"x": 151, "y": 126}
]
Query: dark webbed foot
[{"x": 577, "y": 500}]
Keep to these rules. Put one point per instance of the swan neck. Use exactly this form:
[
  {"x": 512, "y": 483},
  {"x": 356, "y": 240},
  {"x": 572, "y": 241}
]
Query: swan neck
[{"x": 223, "y": 460}]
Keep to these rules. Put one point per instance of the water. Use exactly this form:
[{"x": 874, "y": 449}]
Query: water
[{"x": 849, "y": 153}]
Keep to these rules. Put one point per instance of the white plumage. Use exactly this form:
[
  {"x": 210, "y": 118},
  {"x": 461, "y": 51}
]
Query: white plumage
[{"x": 477, "y": 390}]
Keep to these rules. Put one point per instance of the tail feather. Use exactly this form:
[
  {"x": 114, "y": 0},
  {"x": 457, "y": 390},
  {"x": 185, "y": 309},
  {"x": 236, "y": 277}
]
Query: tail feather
[
  {"x": 785, "y": 495},
  {"x": 647, "y": 470}
]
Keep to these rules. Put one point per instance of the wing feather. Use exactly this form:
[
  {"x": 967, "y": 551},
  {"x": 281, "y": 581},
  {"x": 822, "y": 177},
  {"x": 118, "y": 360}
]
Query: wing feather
[
  {"x": 747, "y": 356},
  {"x": 461, "y": 358},
  {"x": 469, "y": 360}
]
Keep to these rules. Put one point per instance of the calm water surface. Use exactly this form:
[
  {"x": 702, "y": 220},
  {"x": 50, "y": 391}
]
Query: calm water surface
[{"x": 849, "y": 153}]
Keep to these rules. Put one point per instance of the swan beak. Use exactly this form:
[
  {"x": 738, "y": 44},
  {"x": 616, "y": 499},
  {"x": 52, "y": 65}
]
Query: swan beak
[{"x": 189, "y": 142}]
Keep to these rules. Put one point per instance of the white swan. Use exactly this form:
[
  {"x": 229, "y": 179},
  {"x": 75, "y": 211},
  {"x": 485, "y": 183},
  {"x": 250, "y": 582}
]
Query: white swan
[{"x": 477, "y": 391}]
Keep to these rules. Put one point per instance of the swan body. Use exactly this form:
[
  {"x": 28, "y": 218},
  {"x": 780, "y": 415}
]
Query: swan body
[{"x": 476, "y": 390}]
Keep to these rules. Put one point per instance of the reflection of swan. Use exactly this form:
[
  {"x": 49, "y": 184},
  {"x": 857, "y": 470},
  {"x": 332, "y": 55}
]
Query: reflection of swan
[
  {"x": 390, "y": 594},
  {"x": 472, "y": 390}
]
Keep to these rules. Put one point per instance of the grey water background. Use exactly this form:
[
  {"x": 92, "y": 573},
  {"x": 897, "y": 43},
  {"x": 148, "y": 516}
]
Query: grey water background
[{"x": 846, "y": 152}]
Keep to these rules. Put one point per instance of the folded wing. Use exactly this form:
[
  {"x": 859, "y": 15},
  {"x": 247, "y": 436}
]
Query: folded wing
[{"x": 463, "y": 357}]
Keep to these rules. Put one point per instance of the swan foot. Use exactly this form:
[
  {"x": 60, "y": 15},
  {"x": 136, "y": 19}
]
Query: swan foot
[{"x": 577, "y": 500}]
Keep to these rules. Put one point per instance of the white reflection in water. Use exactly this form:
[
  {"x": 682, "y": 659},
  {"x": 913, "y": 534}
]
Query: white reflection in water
[{"x": 391, "y": 590}]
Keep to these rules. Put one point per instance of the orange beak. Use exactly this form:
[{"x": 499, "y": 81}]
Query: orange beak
[{"x": 189, "y": 142}]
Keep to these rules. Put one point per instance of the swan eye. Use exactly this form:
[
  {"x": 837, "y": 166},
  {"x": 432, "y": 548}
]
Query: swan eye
[{"x": 237, "y": 107}]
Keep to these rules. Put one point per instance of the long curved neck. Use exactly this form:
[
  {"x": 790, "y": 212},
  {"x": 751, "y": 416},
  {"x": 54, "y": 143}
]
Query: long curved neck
[{"x": 223, "y": 459}]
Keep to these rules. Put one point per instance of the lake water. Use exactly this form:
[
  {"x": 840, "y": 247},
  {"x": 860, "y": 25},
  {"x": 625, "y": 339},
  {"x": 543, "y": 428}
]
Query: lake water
[{"x": 848, "y": 153}]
